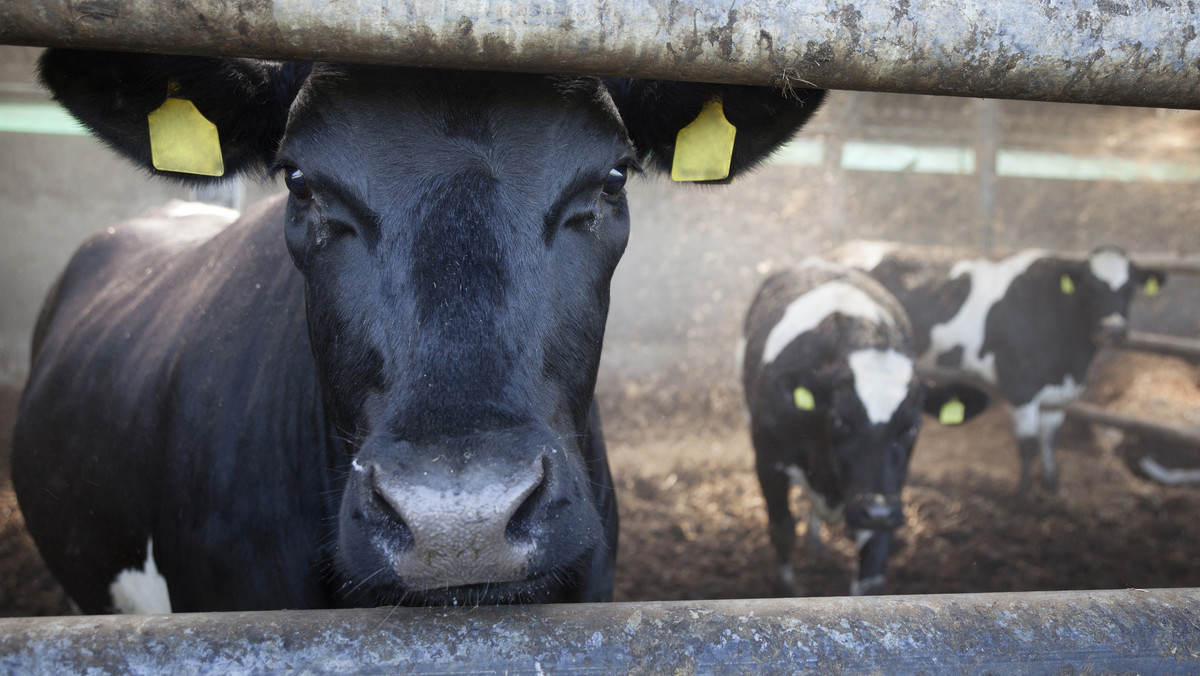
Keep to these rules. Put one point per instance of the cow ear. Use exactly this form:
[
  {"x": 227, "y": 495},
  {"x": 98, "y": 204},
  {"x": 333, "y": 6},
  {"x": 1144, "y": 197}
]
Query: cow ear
[
  {"x": 654, "y": 112},
  {"x": 113, "y": 94},
  {"x": 1151, "y": 281},
  {"x": 955, "y": 403}
]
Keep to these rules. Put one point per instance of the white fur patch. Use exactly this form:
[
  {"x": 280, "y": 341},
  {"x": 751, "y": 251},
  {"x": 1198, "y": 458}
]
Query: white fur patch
[
  {"x": 989, "y": 282},
  {"x": 865, "y": 255},
  {"x": 806, "y": 312},
  {"x": 882, "y": 381},
  {"x": 1111, "y": 267},
  {"x": 141, "y": 592},
  {"x": 1030, "y": 421},
  {"x": 861, "y": 537},
  {"x": 820, "y": 508},
  {"x": 185, "y": 209}
]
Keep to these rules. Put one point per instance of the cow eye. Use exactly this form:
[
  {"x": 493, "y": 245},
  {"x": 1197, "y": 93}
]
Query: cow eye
[
  {"x": 293, "y": 178},
  {"x": 614, "y": 182}
]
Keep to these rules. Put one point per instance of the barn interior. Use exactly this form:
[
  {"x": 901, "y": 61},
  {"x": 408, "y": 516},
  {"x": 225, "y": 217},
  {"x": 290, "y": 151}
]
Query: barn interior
[{"x": 994, "y": 175}]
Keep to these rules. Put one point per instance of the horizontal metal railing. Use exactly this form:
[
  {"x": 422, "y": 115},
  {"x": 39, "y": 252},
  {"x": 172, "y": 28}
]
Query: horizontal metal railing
[
  {"x": 1088, "y": 51},
  {"x": 1129, "y": 631}
]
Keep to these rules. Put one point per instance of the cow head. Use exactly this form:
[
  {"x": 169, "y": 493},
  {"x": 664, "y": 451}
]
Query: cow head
[
  {"x": 867, "y": 411},
  {"x": 456, "y": 233},
  {"x": 1100, "y": 289}
]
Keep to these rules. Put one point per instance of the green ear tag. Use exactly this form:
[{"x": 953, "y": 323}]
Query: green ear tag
[
  {"x": 952, "y": 412},
  {"x": 804, "y": 399},
  {"x": 1151, "y": 286},
  {"x": 183, "y": 140},
  {"x": 704, "y": 148},
  {"x": 1065, "y": 283}
]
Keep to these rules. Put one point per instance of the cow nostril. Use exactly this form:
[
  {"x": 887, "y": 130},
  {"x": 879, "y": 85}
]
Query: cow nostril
[
  {"x": 385, "y": 511},
  {"x": 521, "y": 524}
]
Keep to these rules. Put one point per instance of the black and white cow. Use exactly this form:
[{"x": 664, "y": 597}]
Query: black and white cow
[
  {"x": 835, "y": 406},
  {"x": 376, "y": 390},
  {"x": 1027, "y": 324}
]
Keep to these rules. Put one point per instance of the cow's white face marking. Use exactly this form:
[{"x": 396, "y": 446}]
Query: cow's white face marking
[
  {"x": 865, "y": 255},
  {"x": 1111, "y": 267},
  {"x": 881, "y": 379},
  {"x": 989, "y": 282},
  {"x": 806, "y": 312},
  {"x": 141, "y": 592}
]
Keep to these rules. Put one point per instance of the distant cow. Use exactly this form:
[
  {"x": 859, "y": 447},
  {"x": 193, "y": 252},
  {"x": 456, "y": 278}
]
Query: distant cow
[
  {"x": 1028, "y": 324},
  {"x": 376, "y": 390},
  {"x": 835, "y": 406}
]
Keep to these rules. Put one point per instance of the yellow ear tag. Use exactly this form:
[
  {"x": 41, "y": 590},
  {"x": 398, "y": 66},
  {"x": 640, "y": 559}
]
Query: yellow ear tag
[
  {"x": 1065, "y": 283},
  {"x": 183, "y": 140},
  {"x": 804, "y": 399},
  {"x": 1151, "y": 286},
  {"x": 704, "y": 148},
  {"x": 952, "y": 412}
]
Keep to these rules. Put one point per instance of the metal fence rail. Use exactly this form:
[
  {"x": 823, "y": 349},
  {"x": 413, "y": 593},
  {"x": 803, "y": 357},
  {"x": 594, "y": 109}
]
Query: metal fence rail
[
  {"x": 1130, "y": 631},
  {"x": 1090, "y": 51}
]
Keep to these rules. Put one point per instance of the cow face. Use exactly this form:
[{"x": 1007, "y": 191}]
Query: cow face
[
  {"x": 456, "y": 233},
  {"x": 868, "y": 410},
  {"x": 457, "y": 322},
  {"x": 1100, "y": 289}
]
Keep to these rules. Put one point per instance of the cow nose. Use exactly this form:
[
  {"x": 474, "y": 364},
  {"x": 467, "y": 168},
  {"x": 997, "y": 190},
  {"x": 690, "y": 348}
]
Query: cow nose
[
  {"x": 1113, "y": 329},
  {"x": 467, "y": 530},
  {"x": 875, "y": 511}
]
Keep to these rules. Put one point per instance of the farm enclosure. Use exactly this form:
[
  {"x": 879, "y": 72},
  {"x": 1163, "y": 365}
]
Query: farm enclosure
[{"x": 692, "y": 520}]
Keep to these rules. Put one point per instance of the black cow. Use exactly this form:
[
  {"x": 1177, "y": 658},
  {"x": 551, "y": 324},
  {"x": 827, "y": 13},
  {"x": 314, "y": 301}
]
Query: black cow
[
  {"x": 376, "y": 390},
  {"x": 835, "y": 406},
  {"x": 1028, "y": 324}
]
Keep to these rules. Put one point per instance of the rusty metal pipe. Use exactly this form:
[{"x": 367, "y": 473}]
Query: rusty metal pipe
[
  {"x": 1089, "y": 51},
  {"x": 1130, "y": 631}
]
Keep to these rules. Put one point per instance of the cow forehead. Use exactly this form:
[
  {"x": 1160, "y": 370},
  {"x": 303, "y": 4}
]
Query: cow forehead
[
  {"x": 1111, "y": 267},
  {"x": 807, "y": 311},
  {"x": 882, "y": 379},
  {"x": 380, "y": 102}
]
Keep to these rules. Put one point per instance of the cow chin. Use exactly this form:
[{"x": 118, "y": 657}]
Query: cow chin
[{"x": 554, "y": 586}]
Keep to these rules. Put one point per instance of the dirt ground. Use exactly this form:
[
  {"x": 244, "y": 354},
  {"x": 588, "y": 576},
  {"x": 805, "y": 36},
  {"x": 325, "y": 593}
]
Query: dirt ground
[{"x": 693, "y": 524}]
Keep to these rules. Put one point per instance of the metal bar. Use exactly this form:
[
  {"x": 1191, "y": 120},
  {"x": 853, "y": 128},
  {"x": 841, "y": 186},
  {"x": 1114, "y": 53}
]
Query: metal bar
[
  {"x": 1129, "y": 631},
  {"x": 1174, "y": 264},
  {"x": 1188, "y": 348},
  {"x": 1088, "y": 51},
  {"x": 1102, "y": 416}
]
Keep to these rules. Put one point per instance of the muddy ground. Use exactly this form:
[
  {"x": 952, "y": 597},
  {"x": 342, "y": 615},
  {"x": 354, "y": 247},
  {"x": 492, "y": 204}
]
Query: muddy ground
[{"x": 693, "y": 524}]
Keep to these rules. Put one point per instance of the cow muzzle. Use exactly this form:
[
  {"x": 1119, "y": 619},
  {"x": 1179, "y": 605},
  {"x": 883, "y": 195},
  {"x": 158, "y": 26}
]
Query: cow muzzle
[
  {"x": 438, "y": 518},
  {"x": 458, "y": 534},
  {"x": 874, "y": 511},
  {"x": 1114, "y": 329}
]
